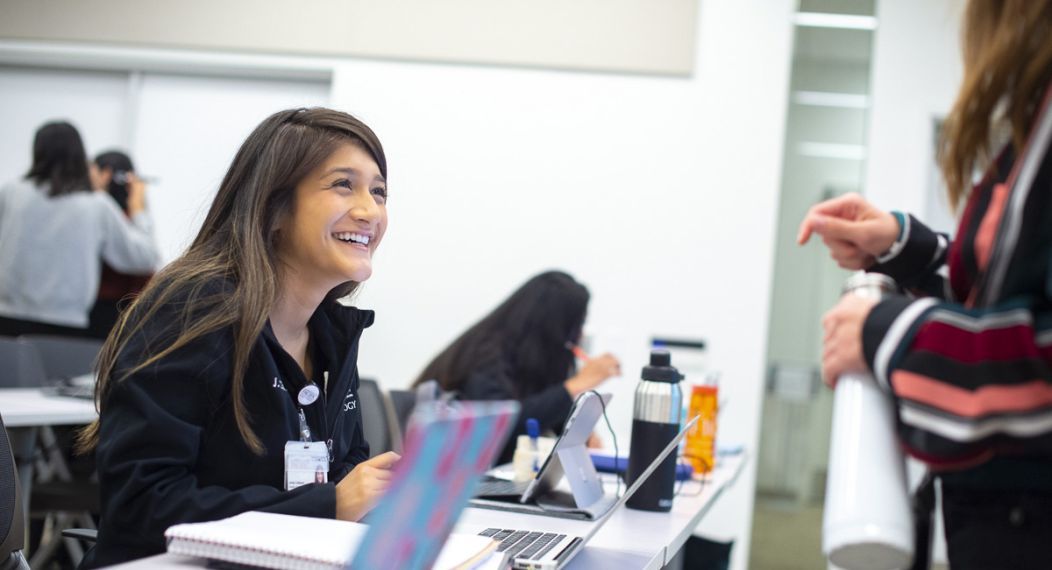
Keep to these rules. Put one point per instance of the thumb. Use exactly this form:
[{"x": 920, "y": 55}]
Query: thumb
[{"x": 384, "y": 460}]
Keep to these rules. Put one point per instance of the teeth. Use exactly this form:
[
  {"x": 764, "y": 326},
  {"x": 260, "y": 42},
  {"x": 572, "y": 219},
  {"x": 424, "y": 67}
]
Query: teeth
[{"x": 352, "y": 237}]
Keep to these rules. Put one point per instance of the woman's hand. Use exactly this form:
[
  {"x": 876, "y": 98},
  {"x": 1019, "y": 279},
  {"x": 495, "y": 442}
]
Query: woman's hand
[
  {"x": 855, "y": 231},
  {"x": 842, "y": 345},
  {"x": 592, "y": 374},
  {"x": 358, "y": 491},
  {"x": 136, "y": 194},
  {"x": 594, "y": 441}
]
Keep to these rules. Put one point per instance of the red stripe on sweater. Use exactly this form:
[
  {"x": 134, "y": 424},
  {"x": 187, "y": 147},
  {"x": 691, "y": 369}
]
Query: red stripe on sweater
[
  {"x": 1009, "y": 343},
  {"x": 942, "y": 464}
]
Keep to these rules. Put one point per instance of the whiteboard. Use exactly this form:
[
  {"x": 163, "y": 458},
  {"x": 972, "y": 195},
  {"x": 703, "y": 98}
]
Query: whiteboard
[
  {"x": 181, "y": 130},
  {"x": 93, "y": 101}
]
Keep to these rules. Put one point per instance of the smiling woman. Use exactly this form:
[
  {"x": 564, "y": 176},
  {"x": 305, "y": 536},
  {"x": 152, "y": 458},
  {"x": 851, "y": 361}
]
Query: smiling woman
[{"x": 239, "y": 346}]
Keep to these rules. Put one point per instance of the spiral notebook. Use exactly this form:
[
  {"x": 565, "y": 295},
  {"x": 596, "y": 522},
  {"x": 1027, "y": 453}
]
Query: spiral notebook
[
  {"x": 446, "y": 451},
  {"x": 269, "y": 540}
]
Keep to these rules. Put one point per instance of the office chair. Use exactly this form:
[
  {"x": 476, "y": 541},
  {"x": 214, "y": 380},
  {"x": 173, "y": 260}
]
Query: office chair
[
  {"x": 378, "y": 419},
  {"x": 54, "y": 494},
  {"x": 63, "y": 356},
  {"x": 12, "y": 513},
  {"x": 402, "y": 401},
  {"x": 22, "y": 369},
  {"x": 21, "y": 365}
]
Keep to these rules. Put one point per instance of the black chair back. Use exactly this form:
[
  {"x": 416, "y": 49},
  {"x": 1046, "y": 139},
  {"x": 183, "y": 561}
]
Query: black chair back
[
  {"x": 21, "y": 365},
  {"x": 63, "y": 356},
  {"x": 375, "y": 418},
  {"x": 12, "y": 516},
  {"x": 402, "y": 401}
]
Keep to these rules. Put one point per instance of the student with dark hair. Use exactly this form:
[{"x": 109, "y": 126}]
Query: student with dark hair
[
  {"x": 523, "y": 350},
  {"x": 241, "y": 345},
  {"x": 53, "y": 228},
  {"x": 115, "y": 173},
  {"x": 967, "y": 355}
]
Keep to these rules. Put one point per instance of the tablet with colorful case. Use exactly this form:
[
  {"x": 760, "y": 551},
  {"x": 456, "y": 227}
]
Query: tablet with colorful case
[{"x": 447, "y": 449}]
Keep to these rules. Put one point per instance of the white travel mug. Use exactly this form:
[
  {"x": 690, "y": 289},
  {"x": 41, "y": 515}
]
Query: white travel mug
[{"x": 867, "y": 523}]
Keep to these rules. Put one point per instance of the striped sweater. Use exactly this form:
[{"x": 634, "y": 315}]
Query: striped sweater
[{"x": 968, "y": 356}]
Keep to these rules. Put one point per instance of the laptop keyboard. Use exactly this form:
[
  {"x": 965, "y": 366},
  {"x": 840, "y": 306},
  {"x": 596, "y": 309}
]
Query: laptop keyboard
[
  {"x": 523, "y": 544},
  {"x": 493, "y": 487}
]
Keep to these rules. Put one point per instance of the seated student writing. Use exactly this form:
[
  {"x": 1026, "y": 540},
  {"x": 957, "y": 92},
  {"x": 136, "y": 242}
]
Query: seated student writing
[
  {"x": 201, "y": 384},
  {"x": 523, "y": 350}
]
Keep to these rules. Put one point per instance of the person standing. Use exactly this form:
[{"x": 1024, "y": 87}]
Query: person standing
[{"x": 967, "y": 355}]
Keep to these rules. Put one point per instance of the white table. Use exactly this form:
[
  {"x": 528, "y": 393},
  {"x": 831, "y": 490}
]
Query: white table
[
  {"x": 656, "y": 537},
  {"x": 32, "y": 407},
  {"x": 630, "y": 540},
  {"x": 29, "y": 413}
]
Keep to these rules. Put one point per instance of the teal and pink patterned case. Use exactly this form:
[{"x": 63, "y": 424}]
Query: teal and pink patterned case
[{"x": 447, "y": 449}]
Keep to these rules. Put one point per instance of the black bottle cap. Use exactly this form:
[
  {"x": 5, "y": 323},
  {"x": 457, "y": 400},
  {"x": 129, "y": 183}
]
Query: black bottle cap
[{"x": 660, "y": 368}]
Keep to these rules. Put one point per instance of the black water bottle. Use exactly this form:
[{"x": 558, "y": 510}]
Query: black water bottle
[{"x": 655, "y": 422}]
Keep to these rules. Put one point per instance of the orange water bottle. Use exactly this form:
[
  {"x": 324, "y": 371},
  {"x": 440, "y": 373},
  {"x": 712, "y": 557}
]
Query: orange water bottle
[{"x": 701, "y": 439}]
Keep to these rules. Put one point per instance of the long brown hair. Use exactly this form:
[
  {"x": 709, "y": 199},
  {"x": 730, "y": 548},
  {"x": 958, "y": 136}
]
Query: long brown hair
[
  {"x": 1007, "y": 68},
  {"x": 236, "y": 247}
]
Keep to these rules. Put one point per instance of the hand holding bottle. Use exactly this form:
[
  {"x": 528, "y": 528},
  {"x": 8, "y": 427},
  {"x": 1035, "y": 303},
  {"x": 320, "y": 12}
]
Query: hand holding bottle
[{"x": 842, "y": 344}]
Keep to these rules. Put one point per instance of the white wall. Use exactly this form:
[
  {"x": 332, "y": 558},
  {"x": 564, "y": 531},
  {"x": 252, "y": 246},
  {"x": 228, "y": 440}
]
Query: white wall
[
  {"x": 639, "y": 36},
  {"x": 915, "y": 74},
  {"x": 658, "y": 193}
]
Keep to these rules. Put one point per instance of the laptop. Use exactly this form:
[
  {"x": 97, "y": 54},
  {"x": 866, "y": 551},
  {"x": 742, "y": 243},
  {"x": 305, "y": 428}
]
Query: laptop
[
  {"x": 569, "y": 455},
  {"x": 538, "y": 549},
  {"x": 82, "y": 386}
]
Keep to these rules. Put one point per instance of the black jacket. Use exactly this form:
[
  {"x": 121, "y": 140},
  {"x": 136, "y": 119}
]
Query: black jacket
[{"x": 169, "y": 449}]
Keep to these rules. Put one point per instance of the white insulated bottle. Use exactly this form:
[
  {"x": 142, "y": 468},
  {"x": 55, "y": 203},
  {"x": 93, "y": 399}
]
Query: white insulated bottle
[{"x": 867, "y": 523}]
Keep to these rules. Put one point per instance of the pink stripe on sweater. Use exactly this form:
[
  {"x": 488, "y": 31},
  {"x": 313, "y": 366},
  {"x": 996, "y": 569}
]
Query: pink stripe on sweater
[
  {"x": 984, "y": 238},
  {"x": 968, "y": 404}
]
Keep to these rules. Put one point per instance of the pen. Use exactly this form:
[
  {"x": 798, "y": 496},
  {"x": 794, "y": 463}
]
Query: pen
[
  {"x": 122, "y": 177},
  {"x": 533, "y": 430}
]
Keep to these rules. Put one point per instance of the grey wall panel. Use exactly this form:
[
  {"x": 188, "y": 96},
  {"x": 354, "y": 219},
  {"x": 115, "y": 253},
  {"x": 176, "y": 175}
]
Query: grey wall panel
[{"x": 637, "y": 36}]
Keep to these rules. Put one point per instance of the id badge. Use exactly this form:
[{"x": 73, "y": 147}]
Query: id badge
[{"x": 305, "y": 462}]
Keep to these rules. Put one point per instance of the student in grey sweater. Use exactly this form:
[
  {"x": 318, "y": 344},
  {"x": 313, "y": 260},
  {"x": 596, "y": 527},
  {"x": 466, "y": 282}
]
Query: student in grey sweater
[{"x": 54, "y": 229}]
